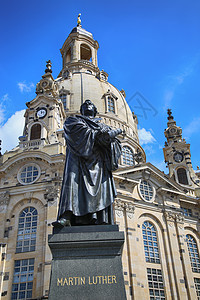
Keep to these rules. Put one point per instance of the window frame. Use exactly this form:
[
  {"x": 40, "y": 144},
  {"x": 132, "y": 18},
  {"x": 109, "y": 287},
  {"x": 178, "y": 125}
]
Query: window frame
[
  {"x": 20, "y": 267},
  {"x": 65, "y": 93},
  {"x": 185, "y": 175},
  {"x": 194, "y": 255},
  {"x": 153, "y": 191},
  {"x": 26, "y": 166},
  {"x": 27, "y": 228},
  {"x": 149, "y": 243},
  {"x": 152, "y": 275},
  {"x": 32, "y": 127},
  {"x": 83, "y": 49},
  {"x": 111, "y": 104},
  {"x": 122, "y": 156},
  {"x": 197, "y": 287},
  {"x": 187, "y": 212},
  {"x": 107, "y": 95}
]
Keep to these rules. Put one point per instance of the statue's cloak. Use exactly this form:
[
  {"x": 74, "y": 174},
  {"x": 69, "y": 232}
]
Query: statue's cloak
[{"x": 88, "y": 186}]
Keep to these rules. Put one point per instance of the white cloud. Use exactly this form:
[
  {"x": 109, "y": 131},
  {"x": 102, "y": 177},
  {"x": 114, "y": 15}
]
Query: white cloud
[
  {"x": 193, "y": 127},
  {"x": 4, "y": 98},
  {"x": 11, "y": 130},
  {"x": 168, "y": 96},
  {"x": 149, "y": 150},
  {"x": 161, "y": 165},
  {"x": 177, "y": 80},
  {"x": 1, "y": 113},
  {"x": 145, "y": 136},
  {"x": 25, "y": 87}
]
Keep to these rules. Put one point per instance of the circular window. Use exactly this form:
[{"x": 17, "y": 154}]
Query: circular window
[
  {"x": 28, "y": 174},
  {"x": 147, "y": 192}
]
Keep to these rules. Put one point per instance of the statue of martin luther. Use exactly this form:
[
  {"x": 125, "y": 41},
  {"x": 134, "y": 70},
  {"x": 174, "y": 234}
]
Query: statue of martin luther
[{"x": 88, "y": 188}]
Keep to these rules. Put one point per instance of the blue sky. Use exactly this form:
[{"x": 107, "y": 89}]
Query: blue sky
[{"x": 148, "y": 48}]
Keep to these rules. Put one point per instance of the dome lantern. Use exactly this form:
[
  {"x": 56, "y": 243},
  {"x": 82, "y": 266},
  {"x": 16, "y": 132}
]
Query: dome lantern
[{"x": 79, "y": 51}]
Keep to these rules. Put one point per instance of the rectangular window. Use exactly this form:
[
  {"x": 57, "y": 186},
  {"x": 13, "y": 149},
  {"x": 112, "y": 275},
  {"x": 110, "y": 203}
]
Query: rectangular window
[
  {"x": 197, "y": 286},
  {"x": 111, "y": 105},
  {"x": 156, "y": 284},
  {"x": 63, "y": 98},
  {"x": 23, "y": 279},
  {"x": 186, "y": 211}
]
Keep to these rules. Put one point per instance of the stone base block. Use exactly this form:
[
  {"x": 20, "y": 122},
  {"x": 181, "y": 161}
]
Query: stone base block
[{"x": 87, "y": 263}]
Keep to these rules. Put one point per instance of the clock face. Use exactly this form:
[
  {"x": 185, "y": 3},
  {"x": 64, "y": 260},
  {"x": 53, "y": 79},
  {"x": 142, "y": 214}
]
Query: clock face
[
  {"x": 178, "y": 157},
  {"x": 44, "y": 83},
  {"x": 41, "y": 113},
  {"x": 173, "y": 130}
]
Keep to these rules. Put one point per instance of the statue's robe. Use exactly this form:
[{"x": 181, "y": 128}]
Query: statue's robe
[{"x": 88, "y": 188}]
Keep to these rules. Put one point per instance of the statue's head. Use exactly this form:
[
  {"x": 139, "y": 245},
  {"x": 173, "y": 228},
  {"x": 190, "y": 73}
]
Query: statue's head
[{"x": 88, "y": 109}]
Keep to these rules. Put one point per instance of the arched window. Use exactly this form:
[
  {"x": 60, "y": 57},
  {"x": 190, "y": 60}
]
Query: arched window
[
  {"x": 35, "y": 132},
  {"x": 182, "y": 176},
  {"x": 193, "y": 253},
  {"x": 111, "y": 105},
  {"x": 86, "y": 53},
  {"x": 127, "y": 156},
  {"x": 27, "y": 228},
  {"x": 150, "y": 243},
  {"x": 68, "y": 55}
]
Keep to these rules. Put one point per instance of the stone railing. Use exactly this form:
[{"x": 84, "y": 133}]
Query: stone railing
[
  {"x": 86, "y": 62},
  {"x": 31, "y": 144}
]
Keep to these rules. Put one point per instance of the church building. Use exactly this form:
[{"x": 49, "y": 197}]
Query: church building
[{"x": 158, "y": 213}]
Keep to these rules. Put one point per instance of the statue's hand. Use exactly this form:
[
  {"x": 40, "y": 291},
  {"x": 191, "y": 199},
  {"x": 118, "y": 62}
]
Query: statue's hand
[
  {"x": 107, "y": 135},
  {"x": 113, "y": 133}
]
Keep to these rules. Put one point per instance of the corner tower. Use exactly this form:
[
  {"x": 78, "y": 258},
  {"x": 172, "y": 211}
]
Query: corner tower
[
  {"x": 44, "y": 115},
  {"x": 177, "y": 155}
]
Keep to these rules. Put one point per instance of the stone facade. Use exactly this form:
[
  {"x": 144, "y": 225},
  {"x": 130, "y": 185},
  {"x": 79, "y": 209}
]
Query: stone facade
[{"x": 158, "y": 213}]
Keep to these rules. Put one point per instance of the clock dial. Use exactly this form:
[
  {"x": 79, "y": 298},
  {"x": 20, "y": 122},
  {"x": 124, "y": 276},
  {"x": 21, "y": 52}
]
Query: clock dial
[
  {"x": 44, "y": 83},
  {"x": 178, "y": 157},
  {"x": 41, "y": 113},
  {"x": 173, "y": 130}
]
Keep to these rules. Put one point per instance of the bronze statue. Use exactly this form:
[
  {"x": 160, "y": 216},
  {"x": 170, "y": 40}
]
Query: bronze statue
[{"x": 88, "y": 188}]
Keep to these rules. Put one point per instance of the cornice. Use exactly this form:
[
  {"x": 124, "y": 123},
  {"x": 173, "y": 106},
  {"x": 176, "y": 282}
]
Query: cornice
[
  {"x": 154, "y": 172},
  {"x": 36, "y": 187},
  {"x": 125, "y": 179},
  {"x": 31, "y": 155}
]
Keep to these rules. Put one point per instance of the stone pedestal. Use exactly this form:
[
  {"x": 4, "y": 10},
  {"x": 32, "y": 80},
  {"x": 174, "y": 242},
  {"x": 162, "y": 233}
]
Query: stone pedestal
[{"x": 87, "y": 263}]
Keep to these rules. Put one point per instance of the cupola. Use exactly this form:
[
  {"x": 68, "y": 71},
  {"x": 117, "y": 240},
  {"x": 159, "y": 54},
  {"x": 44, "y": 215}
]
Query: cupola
[{"x": 79, "y": 51}]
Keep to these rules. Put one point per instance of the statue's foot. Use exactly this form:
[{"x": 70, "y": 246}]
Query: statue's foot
[{"x": 61, "y": 223}]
